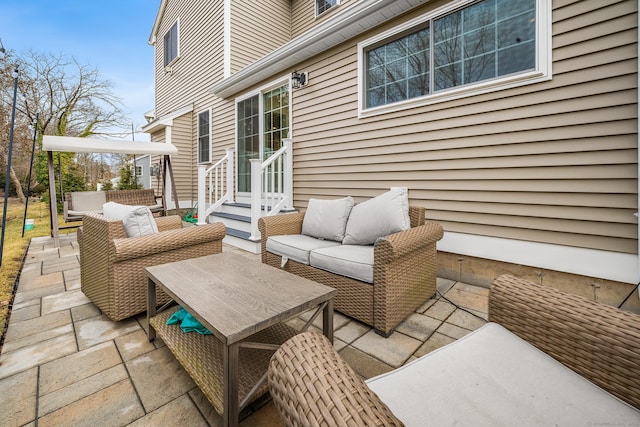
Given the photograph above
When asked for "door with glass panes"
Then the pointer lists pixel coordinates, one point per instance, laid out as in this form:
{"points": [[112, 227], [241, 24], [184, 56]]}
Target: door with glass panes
{"points": [[262, 123]]}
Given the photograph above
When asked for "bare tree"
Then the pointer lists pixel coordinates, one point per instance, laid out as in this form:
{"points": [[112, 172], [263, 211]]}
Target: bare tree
{"points": [[72, 99]]}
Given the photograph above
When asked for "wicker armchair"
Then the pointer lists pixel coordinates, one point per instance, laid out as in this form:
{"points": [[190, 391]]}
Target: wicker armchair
{"points": [[404, 271], [311, 384], [112, 265]]}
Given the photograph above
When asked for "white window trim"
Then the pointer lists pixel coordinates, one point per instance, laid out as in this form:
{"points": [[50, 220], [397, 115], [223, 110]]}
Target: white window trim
{"points": [[173, 61], [543, 71], [315, 8], [200, 161]]}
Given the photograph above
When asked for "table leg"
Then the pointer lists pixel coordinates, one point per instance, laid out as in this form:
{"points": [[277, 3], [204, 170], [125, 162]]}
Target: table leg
{"points": [[230, 384], [327, 320], [151, 307]]}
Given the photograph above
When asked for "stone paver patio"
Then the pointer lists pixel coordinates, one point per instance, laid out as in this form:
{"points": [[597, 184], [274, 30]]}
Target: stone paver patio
{"points": [[63, 363]]}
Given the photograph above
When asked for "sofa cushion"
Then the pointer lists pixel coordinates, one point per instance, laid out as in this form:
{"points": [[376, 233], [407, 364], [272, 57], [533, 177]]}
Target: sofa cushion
{"points": [[327, 219], [354, 261], [296, 246], [378, 217], [87, 201], [137, 220], [492, 377]]}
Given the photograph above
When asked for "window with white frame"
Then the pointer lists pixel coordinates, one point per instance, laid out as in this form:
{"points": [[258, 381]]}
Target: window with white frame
{"points": [[171, 44], [455, 50], [204, 137], [324, 5], [138, 170]]}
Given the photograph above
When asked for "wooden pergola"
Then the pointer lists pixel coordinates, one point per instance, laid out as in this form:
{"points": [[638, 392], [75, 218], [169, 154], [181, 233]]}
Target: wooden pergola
{"points": [[91, 145]]}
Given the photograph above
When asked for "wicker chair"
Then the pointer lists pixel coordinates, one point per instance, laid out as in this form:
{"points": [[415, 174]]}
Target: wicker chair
{"points": [[311, 384], [404, 272], [112, 265]]}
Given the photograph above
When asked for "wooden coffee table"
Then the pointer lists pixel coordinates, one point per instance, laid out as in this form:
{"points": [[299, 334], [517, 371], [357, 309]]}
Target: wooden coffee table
{"points": [[244, 304]]}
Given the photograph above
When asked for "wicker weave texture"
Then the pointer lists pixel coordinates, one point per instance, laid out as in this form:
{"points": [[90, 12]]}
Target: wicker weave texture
{"points": [[202, 357], [311, 385], [112, 265], [599, 342], [404, 271]]}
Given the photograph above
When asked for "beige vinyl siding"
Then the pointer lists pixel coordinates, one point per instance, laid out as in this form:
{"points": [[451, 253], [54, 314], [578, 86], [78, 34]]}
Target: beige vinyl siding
{"points": [[186, 177], [303, 14], [201, 61], [258, 27], [553, 162]]}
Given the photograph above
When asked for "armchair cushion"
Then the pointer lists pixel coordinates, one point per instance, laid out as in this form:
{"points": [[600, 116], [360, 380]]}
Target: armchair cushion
{"points": [[385, 214], [296, 246], [355, 261], [327, 219], [137, 220]]}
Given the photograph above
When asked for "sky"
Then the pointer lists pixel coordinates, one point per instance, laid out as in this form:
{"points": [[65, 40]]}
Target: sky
{"points": [[111, 36]]}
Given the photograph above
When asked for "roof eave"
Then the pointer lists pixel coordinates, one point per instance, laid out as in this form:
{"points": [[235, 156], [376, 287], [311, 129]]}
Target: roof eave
{"points": [[353, 21]]}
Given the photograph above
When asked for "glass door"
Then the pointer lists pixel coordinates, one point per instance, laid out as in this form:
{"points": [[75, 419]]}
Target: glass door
{"points": [[262, 123]]}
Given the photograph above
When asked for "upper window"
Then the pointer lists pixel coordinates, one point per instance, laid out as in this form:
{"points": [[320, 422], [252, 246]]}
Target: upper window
{"points": [[479, 44], [324, 5], [204, 137], [171, 44]]}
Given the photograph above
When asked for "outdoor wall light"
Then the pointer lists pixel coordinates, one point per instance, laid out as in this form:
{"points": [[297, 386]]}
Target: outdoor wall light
{"points": [[298, 80]]}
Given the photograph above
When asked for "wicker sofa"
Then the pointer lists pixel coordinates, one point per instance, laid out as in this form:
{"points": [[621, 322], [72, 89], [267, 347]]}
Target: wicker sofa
{"points": [[404, 270], [112, 264], [545, 358]]}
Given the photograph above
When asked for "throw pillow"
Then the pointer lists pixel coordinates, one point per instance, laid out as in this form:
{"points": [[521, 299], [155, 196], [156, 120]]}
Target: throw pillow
{"points": [[378, 217], [137, 220], [327, 219]]}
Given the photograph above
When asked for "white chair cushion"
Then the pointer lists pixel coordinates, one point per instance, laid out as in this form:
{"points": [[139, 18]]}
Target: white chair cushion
{"points": [[296, 246], [87, 201], [327, 219], [137, 220], [491, 377], [378, 217], [354, 261]]}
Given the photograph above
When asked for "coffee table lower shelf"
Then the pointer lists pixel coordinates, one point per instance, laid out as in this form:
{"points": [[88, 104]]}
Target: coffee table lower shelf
{"points": [[201, 357]]}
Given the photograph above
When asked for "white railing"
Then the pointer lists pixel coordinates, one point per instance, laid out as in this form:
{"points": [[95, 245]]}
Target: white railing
{"points": [[215, 186], [271, 185]]}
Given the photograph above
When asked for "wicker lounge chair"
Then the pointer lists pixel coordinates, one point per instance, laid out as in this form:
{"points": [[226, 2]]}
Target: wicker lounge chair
{"points": [[112, 264], [404, 275], [312, 385]]}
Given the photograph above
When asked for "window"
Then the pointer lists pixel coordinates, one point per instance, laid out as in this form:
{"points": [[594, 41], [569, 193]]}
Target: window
{"points": [[480, 44], [138, 170], [324, 5], [171, 44], [204, 137]]}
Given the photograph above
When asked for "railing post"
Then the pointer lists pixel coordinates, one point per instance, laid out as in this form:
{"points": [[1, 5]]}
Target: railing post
{"points": [[256, 195], [288, 174], [230, 176], [202, 176]]}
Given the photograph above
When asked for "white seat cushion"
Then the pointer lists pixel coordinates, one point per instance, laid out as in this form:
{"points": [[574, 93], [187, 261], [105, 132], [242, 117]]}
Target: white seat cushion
{"points": [[353, 261], [296, 246], [327, 219], [378, 217], [137, 220], [491, 377], [87, 201]]}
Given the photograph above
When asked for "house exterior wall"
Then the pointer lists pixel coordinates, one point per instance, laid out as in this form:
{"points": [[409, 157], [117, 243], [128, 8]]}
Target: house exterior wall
{"points": [[303, 14], [553, 162], [257, 28], [522, 171]]}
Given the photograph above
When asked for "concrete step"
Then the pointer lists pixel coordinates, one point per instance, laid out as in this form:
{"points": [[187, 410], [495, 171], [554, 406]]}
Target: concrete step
{"points": [[237, 219]]}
